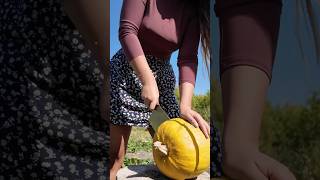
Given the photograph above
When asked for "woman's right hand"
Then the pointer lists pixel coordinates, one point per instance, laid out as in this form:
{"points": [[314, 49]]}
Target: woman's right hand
{"points": [[150, 94]]}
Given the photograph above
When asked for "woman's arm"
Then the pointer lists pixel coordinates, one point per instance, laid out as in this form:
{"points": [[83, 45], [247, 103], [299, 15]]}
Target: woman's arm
{"points": [[188, 63], [150, 92], [247, 40], [186, 112], [132, 13]]}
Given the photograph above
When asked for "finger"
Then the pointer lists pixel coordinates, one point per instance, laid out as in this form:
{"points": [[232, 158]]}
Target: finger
{"points": [[253, 172], [203, 127], [275, 169], [281, 173], [153, 105], [191, 119], [208, 128], [245, 167], [203, 124]]}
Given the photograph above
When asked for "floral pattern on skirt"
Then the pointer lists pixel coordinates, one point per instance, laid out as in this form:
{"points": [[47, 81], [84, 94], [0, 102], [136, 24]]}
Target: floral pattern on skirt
{"points": [[50, 124], [215, 152], [126, 105]]}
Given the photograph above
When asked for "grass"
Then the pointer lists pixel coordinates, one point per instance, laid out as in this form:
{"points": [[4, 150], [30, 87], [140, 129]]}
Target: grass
{"points": [[136, 161], [140, 140]]}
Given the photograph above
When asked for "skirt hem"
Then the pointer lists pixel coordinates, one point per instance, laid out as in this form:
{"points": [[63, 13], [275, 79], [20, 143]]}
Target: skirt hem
{"points": [[142, 125]]}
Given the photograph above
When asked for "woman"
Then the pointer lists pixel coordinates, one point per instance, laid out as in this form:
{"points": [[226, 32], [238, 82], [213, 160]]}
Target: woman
{"points": [[50, 125], [141, 75], [249, 32]]}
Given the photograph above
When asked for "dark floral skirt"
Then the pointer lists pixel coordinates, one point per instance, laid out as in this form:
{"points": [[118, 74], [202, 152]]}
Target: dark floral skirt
{"points": [[50, 124], [126, 105]]}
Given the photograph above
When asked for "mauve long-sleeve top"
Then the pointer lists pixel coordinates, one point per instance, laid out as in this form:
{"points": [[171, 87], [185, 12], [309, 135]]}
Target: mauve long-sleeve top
{"points": [[160, 27]]}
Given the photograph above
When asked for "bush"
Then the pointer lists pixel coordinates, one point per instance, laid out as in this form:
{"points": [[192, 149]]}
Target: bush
{"points": [[291, 135]]}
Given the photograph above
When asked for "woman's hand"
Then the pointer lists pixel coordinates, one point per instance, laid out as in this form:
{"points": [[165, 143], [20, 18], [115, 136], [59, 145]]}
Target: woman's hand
{"points": [[150, 94], [186, 93], [245, 163], [195, 119]]}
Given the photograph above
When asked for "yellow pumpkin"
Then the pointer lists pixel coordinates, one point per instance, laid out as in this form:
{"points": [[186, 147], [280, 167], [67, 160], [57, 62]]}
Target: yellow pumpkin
{"points": [[180, 150]]}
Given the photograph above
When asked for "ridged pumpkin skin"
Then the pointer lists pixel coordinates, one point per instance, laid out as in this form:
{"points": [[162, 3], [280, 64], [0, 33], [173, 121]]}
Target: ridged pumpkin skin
{"points": [[188, 149]]}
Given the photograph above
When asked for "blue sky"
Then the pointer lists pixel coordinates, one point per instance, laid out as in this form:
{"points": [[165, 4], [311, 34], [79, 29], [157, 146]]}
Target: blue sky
{"points": [[202, 82], [294, 79]]}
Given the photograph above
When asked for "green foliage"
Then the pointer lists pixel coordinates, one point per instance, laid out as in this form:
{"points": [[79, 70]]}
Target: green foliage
{"points": [[136, 161], [216, 106], [291, 135], [200, 103], [139, 140], [136, 145]]}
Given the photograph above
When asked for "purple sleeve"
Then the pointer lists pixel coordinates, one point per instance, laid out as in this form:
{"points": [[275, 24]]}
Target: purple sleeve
{"points": [[188, 53], [249, 33], [131, 16]]}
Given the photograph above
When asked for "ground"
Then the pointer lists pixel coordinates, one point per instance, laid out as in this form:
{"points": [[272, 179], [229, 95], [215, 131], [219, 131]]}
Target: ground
{"points": [[139, 148]]}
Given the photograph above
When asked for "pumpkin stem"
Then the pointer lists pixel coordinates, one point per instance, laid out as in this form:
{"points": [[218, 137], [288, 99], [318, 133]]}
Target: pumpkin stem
{"points": [[163, 148]]}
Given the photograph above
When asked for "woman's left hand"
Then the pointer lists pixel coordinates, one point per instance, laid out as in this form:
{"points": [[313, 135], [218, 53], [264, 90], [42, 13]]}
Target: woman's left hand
{"points": [[195, 119]]}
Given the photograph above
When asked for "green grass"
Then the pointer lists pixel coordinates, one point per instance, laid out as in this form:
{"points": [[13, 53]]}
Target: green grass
{"points": [[136, 161], [140, 140]]}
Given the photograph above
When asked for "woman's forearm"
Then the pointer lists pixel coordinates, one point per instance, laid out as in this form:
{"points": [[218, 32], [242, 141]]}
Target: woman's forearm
{"points": [[244, 91], [142, 69], [186, 93], [149, 92]]}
